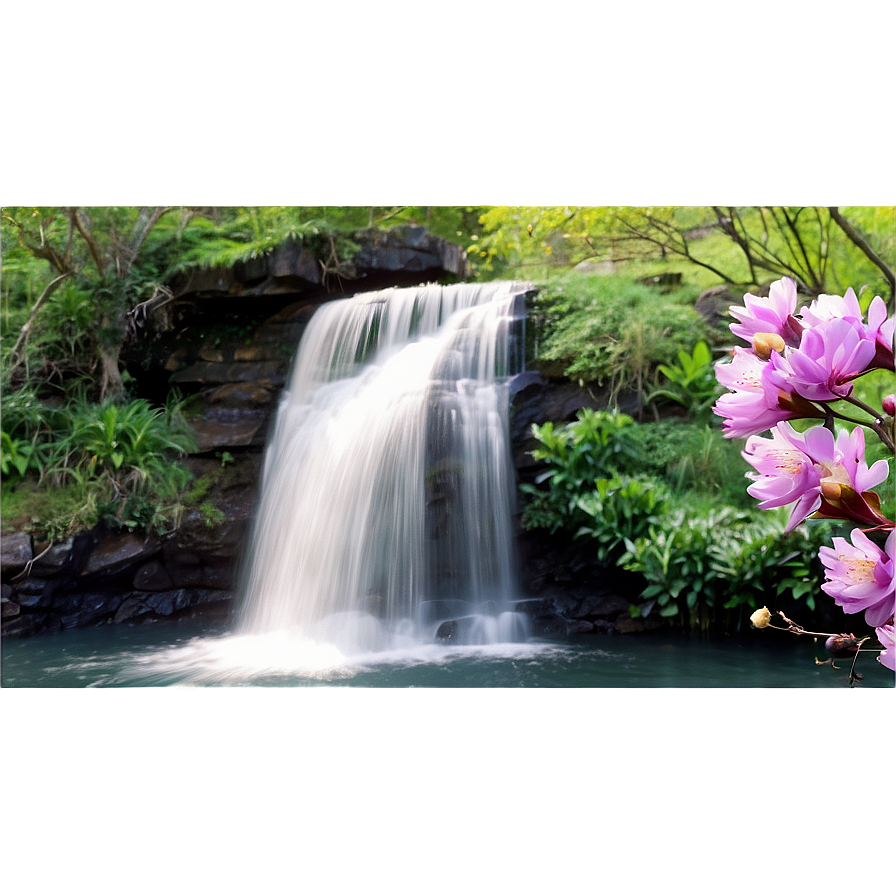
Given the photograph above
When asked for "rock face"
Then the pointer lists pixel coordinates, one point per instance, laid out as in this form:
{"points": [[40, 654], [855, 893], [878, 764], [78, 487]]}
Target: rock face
{"points": [[15, 552], [102, 580], [571, 593]]}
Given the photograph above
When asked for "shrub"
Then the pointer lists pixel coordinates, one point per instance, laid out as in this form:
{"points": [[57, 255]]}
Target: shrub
{"points": [[612, 331], [596, 445], [698, 565], [119, 460], [619, 509], [694, 458], [691, 383], [18, 456]]}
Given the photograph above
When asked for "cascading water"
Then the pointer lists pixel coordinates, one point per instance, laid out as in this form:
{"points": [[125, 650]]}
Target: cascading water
{"points": [[388, 492]]}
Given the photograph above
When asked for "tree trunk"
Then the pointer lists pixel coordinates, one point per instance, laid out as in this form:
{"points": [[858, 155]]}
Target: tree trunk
{"points": [[111, 384]]}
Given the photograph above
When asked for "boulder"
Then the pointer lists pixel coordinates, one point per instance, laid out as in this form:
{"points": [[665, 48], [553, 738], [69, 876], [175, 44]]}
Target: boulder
{"points": [[447, 631], [33, 593], [411, 250], [91, 609], [627, 625], [115, 552], [237, 430], [52, 559], [15, 552], [165, 603], [257, 393], [606, 605], [536, 398], [152, 576], [24, 624], [130, 609]]}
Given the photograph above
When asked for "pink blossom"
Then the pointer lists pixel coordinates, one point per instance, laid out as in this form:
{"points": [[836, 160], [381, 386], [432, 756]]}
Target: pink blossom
{"points": [[829, 357], [859, 576], [760, 398], [767, 314], [825, 308], [821, 474], [881, 329], [885, 636]]}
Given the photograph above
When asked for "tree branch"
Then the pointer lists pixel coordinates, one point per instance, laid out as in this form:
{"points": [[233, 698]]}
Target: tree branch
{"points": [[75, 214], [857, 239], [17, 355], [157, 214]]}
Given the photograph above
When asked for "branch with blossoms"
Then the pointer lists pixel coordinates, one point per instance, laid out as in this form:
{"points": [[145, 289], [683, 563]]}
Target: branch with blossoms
{"points": [[799, 363]]}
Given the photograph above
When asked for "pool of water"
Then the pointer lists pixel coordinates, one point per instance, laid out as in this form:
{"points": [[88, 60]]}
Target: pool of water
{"points": [[196, 653]]}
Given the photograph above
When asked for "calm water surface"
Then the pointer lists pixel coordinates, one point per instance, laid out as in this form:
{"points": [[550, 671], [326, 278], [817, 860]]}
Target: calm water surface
{"points": [[194, 653]]}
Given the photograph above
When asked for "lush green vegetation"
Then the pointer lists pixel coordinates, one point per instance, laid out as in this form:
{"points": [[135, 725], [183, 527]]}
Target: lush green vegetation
{"points": [[612, 331], [667, 500], [96, 462]]}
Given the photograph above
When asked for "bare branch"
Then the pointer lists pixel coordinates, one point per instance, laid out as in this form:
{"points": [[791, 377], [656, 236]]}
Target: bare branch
{"points": [[18, 354], [75, 214], [157, 214], [669, 243], [856, 238]]}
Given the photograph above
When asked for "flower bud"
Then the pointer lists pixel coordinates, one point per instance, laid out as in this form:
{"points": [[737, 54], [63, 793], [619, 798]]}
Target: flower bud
{"points": [[889, 405], [766, 343], [839, 646], [761, 618]]}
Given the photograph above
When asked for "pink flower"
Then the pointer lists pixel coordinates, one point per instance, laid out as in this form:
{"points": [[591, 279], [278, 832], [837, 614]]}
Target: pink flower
{"points": [[825, 308], [829, 357], [821, 474], [785, 470], [885, 636], [761, 396], [768, 314], [881, 329], [859, 576]]}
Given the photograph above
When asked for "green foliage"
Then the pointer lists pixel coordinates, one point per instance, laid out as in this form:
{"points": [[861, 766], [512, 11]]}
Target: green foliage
{"points": [[670, 493], [691, 383], [594, 446], [619, 509], [18, 456], [51, 514], [694, 459], [612, 331], [211, 515], [25, 414], [240, 234], [114, 463], [132, 441], [698, 565]]}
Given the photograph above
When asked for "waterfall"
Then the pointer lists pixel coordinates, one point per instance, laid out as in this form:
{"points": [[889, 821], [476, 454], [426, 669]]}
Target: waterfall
{"points": [[387, 488]]}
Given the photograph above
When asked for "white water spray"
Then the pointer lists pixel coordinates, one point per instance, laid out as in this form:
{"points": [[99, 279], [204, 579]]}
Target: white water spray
{"points": [[388, 492]]}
